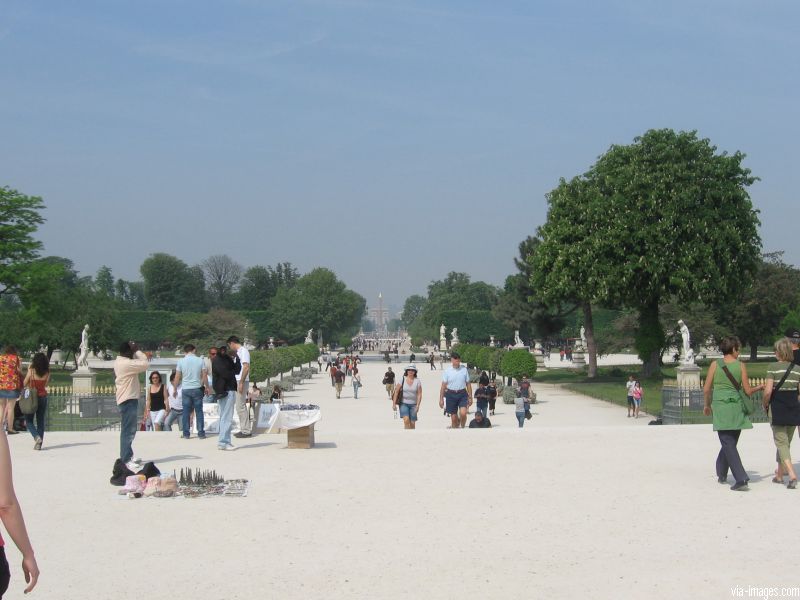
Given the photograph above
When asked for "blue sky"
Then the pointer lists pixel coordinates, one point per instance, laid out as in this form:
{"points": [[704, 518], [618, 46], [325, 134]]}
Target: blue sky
{"points": [[390, 141]]}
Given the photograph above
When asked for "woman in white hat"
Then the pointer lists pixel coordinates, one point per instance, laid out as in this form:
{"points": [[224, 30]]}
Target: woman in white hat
{"points": [[408, 397]]}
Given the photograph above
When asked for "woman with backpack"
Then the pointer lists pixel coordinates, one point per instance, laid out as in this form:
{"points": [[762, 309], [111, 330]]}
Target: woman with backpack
{"points": [[782, 405]]}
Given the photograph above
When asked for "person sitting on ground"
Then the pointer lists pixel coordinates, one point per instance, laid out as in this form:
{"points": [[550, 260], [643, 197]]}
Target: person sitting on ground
{"points": [[277, 394], [479, 422]]}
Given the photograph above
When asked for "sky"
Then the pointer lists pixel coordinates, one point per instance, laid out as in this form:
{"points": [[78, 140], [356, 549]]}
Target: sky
{"points": [[391, 141]]}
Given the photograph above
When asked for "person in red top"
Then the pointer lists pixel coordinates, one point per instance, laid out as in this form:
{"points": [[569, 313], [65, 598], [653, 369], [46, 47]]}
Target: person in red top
{"points": [[38, 376], [10, 380], [11, 515]]}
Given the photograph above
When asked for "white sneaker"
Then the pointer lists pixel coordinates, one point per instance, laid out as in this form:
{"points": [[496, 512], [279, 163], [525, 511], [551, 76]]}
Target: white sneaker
{"points": [[227, 447], [134, 466]]}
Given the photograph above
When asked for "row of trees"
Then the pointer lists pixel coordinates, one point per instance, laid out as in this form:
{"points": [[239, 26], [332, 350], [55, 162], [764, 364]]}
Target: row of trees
{"points": [[266, 364], [44, 301], [515, 363]]}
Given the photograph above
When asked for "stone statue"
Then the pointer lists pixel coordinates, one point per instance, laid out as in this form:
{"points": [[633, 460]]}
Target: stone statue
{"points": [[309, 340], [442, 331], [454, 336], [491, 342], [83, 362], [584, 345], [518, 343], [688, 353], [271, 342]]}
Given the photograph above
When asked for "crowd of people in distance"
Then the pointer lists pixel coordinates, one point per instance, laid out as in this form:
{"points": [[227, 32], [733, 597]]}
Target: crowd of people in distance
{"points": [[455, 396]]}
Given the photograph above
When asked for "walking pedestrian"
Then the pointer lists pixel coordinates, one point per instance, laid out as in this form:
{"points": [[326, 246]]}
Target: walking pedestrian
{"points": [[407, 397], [14, 523], [456, 390], [10, 385], [492, 389], [243, 387], [129, 363], [388, 382], [339, 382], [155, 406], [725, 380], [174, 404], [432, 361], [782, 405], [637, 398], [37, 377], [191, 375], [482, 397], [629, 386], [520, 408], [356, 381]]}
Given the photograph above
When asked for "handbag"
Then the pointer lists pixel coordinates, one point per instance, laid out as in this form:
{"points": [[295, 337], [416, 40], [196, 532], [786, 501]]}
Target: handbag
{"points": [[29, 402], [744, 400]]}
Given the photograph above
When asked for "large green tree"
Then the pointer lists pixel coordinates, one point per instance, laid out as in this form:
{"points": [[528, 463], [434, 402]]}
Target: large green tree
{"points": [[171, 285], [19, 219], [757, 316], [412, 308], [666, 217], [318, 300], [259, 285], [222, 275]]}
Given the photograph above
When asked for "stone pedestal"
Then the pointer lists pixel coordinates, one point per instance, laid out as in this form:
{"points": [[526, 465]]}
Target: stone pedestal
{"points": [[578, 359], [689, 377], [83, 381], [442, 345]]}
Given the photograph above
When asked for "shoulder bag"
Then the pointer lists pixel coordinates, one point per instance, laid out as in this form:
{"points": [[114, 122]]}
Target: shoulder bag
{"points": [[744, 400], [29, 402]]}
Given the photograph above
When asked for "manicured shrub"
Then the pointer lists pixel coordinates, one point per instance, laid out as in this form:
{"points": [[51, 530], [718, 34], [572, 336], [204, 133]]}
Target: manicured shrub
{"points": [[519, 362]]}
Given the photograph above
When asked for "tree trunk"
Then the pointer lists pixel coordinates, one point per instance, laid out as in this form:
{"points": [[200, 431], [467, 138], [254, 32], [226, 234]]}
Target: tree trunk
{"points": [[753, 352], [590, 342], [650, 339]]}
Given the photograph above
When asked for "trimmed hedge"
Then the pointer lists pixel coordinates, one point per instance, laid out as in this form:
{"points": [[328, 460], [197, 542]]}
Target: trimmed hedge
{"points": [[516, 363], [266, 364]]}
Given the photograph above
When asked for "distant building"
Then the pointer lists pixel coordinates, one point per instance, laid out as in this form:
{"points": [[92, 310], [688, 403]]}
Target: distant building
{"points": [[379, 316]]}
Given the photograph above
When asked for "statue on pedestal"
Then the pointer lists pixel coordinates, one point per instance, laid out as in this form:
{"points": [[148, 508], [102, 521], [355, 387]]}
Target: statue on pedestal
{"points": [[443, 338], [83, 362], [518, 343], [454, 336], [491, 342], [309, 340], [584, 344], [271, 343], [688, 353]]}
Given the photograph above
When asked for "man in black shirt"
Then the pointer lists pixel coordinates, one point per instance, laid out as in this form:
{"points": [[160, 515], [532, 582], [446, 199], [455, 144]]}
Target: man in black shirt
{"points": [[388, 381], [794, 336]]}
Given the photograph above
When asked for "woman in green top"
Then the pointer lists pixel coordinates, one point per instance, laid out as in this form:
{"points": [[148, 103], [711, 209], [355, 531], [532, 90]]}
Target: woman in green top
{"points": [[783, 408], [726, 407]]}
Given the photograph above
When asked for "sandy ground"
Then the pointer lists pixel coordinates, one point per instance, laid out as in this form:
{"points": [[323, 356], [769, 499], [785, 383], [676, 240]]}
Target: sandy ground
{"points": [[582, 502]]}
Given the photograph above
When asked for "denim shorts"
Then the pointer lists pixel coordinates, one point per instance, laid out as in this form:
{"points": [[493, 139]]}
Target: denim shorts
{"points": [[455, 400], [408, 410], [9, 394]]}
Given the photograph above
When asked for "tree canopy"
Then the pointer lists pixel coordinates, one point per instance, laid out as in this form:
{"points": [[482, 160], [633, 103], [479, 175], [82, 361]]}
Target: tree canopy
{"points": [[19, 219]]}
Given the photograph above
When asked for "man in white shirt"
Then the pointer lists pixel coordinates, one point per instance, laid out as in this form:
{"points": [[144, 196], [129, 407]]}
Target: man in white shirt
{"points": [[629, 385], [243, 387], [456, 390]]}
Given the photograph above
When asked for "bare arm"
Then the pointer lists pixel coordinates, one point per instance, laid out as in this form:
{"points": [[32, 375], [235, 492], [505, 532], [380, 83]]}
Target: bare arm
{"points": [[28, 375], [419, 396], [442, 390], [767, 393], [11, 515], [708, 388], [469, 393], [746, 383]]}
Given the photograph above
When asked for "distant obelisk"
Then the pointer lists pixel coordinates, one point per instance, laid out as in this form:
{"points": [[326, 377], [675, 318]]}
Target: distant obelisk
{"points": [[381, 324]]}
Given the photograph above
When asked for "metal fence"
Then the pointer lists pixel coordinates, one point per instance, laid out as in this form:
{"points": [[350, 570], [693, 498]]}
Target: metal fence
{"points": [[84, 412], [685, 406]]}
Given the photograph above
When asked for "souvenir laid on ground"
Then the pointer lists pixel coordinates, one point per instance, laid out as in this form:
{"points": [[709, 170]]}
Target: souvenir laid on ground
{"points": [[294, 416], [187, 484]]}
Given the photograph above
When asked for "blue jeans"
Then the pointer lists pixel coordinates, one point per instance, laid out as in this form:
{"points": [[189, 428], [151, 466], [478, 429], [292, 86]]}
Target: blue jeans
{"points": [[193, 400], [37, 431], [226, 404], [355, 391], [483, 406], [173, 416], [127, 429], [520, 418]]}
